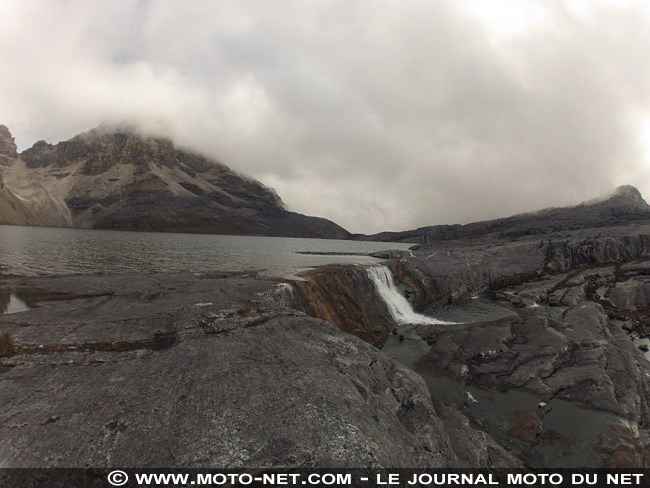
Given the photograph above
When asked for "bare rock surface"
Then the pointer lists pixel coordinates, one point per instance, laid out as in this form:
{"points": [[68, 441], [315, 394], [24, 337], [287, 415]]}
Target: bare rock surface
{"points": [[8, 151], [566, 347], [12, 208], [560, 381], [631, 294], [209, 370], [344, 296], [446, 271]]}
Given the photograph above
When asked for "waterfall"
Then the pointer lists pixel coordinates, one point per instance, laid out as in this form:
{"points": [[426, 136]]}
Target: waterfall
{"points": [[397, 304]]}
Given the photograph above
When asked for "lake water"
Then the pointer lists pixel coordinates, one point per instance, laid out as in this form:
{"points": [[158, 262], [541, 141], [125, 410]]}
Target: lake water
{"points": [[48, 250]]}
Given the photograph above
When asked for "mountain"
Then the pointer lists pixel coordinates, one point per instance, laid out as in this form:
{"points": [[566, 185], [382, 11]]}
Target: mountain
{"points": [[111, 177], [624, 205], [12, 208]]}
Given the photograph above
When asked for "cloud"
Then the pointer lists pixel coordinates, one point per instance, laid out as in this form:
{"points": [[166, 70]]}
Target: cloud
{"points": [[377, 114]]}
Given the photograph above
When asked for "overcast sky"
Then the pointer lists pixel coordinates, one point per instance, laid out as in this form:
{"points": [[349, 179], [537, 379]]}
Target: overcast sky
{"points": [[378, 114]]}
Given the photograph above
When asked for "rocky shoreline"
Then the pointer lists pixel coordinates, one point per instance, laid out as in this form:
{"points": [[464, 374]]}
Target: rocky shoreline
{"points": [[542, 361], [209, 370], [237, 370]]}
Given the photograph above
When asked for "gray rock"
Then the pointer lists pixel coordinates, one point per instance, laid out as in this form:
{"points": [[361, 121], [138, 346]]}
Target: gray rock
{"points": [[631, 294], [186, 370], [8, 150], [447, 271], [291, 391]]}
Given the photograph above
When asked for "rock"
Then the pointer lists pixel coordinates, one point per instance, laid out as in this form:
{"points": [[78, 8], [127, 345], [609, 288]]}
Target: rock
{"points": [[473, 447], [12, 209], [577, 355], [631, 294], [344, 296], [444, 271], [568, 356], [8, 150], [288, 392], [576, 280], [269, 387]]}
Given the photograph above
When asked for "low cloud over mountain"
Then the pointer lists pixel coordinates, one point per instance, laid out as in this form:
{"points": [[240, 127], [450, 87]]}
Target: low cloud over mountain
{"points": [[378, 114]]}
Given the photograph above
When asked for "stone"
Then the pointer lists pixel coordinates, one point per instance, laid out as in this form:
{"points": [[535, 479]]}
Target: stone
{"points": [[8, 150], [90, 384]]}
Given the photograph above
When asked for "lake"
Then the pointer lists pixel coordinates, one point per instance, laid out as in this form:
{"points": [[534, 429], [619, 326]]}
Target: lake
{"points": [[50, 250]]}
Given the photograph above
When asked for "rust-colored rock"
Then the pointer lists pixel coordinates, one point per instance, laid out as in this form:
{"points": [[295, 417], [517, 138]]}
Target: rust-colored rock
{"points": [[346, 297]]}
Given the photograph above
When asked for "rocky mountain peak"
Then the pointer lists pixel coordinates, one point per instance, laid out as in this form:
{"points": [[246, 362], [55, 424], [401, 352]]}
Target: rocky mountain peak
{"points": [[116, 177], [8, 150], [629, 195]]}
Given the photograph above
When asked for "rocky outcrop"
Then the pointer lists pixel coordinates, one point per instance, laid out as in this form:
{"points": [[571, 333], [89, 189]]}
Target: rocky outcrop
{"points": [[633, 295], [569, 353], [8, 151], [344, 296], [439, 273], [624, 205], [208, 370], [558, 379], [12, 209], [183, 369], [115, 178], [605, 247]]}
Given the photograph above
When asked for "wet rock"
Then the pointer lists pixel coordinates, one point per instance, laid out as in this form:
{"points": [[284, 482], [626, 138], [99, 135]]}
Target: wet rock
{"points": [[344, 296], [444, 271], [580, 356], [526, 425], [474, 447], [538, 291]]}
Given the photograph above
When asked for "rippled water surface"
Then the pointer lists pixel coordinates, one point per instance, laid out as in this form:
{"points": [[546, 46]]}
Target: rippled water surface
{"points": [[46, 250]]}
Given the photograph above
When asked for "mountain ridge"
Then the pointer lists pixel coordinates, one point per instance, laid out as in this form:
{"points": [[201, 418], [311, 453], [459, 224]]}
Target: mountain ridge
{"points": [[111, 177], [624, 205]]}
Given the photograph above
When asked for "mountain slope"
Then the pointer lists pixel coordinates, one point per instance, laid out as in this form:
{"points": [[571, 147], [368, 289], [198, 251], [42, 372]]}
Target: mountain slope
{"points": [[12, 208], [625, 205], [114, 178]]}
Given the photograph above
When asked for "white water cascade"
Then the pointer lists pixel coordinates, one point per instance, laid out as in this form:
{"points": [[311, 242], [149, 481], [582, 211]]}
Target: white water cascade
{"points": [[397, 304]]}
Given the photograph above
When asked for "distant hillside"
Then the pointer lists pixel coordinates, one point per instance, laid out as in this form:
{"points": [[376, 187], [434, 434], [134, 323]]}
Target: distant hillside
{"points": [[625, 205], [114, 178]]}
